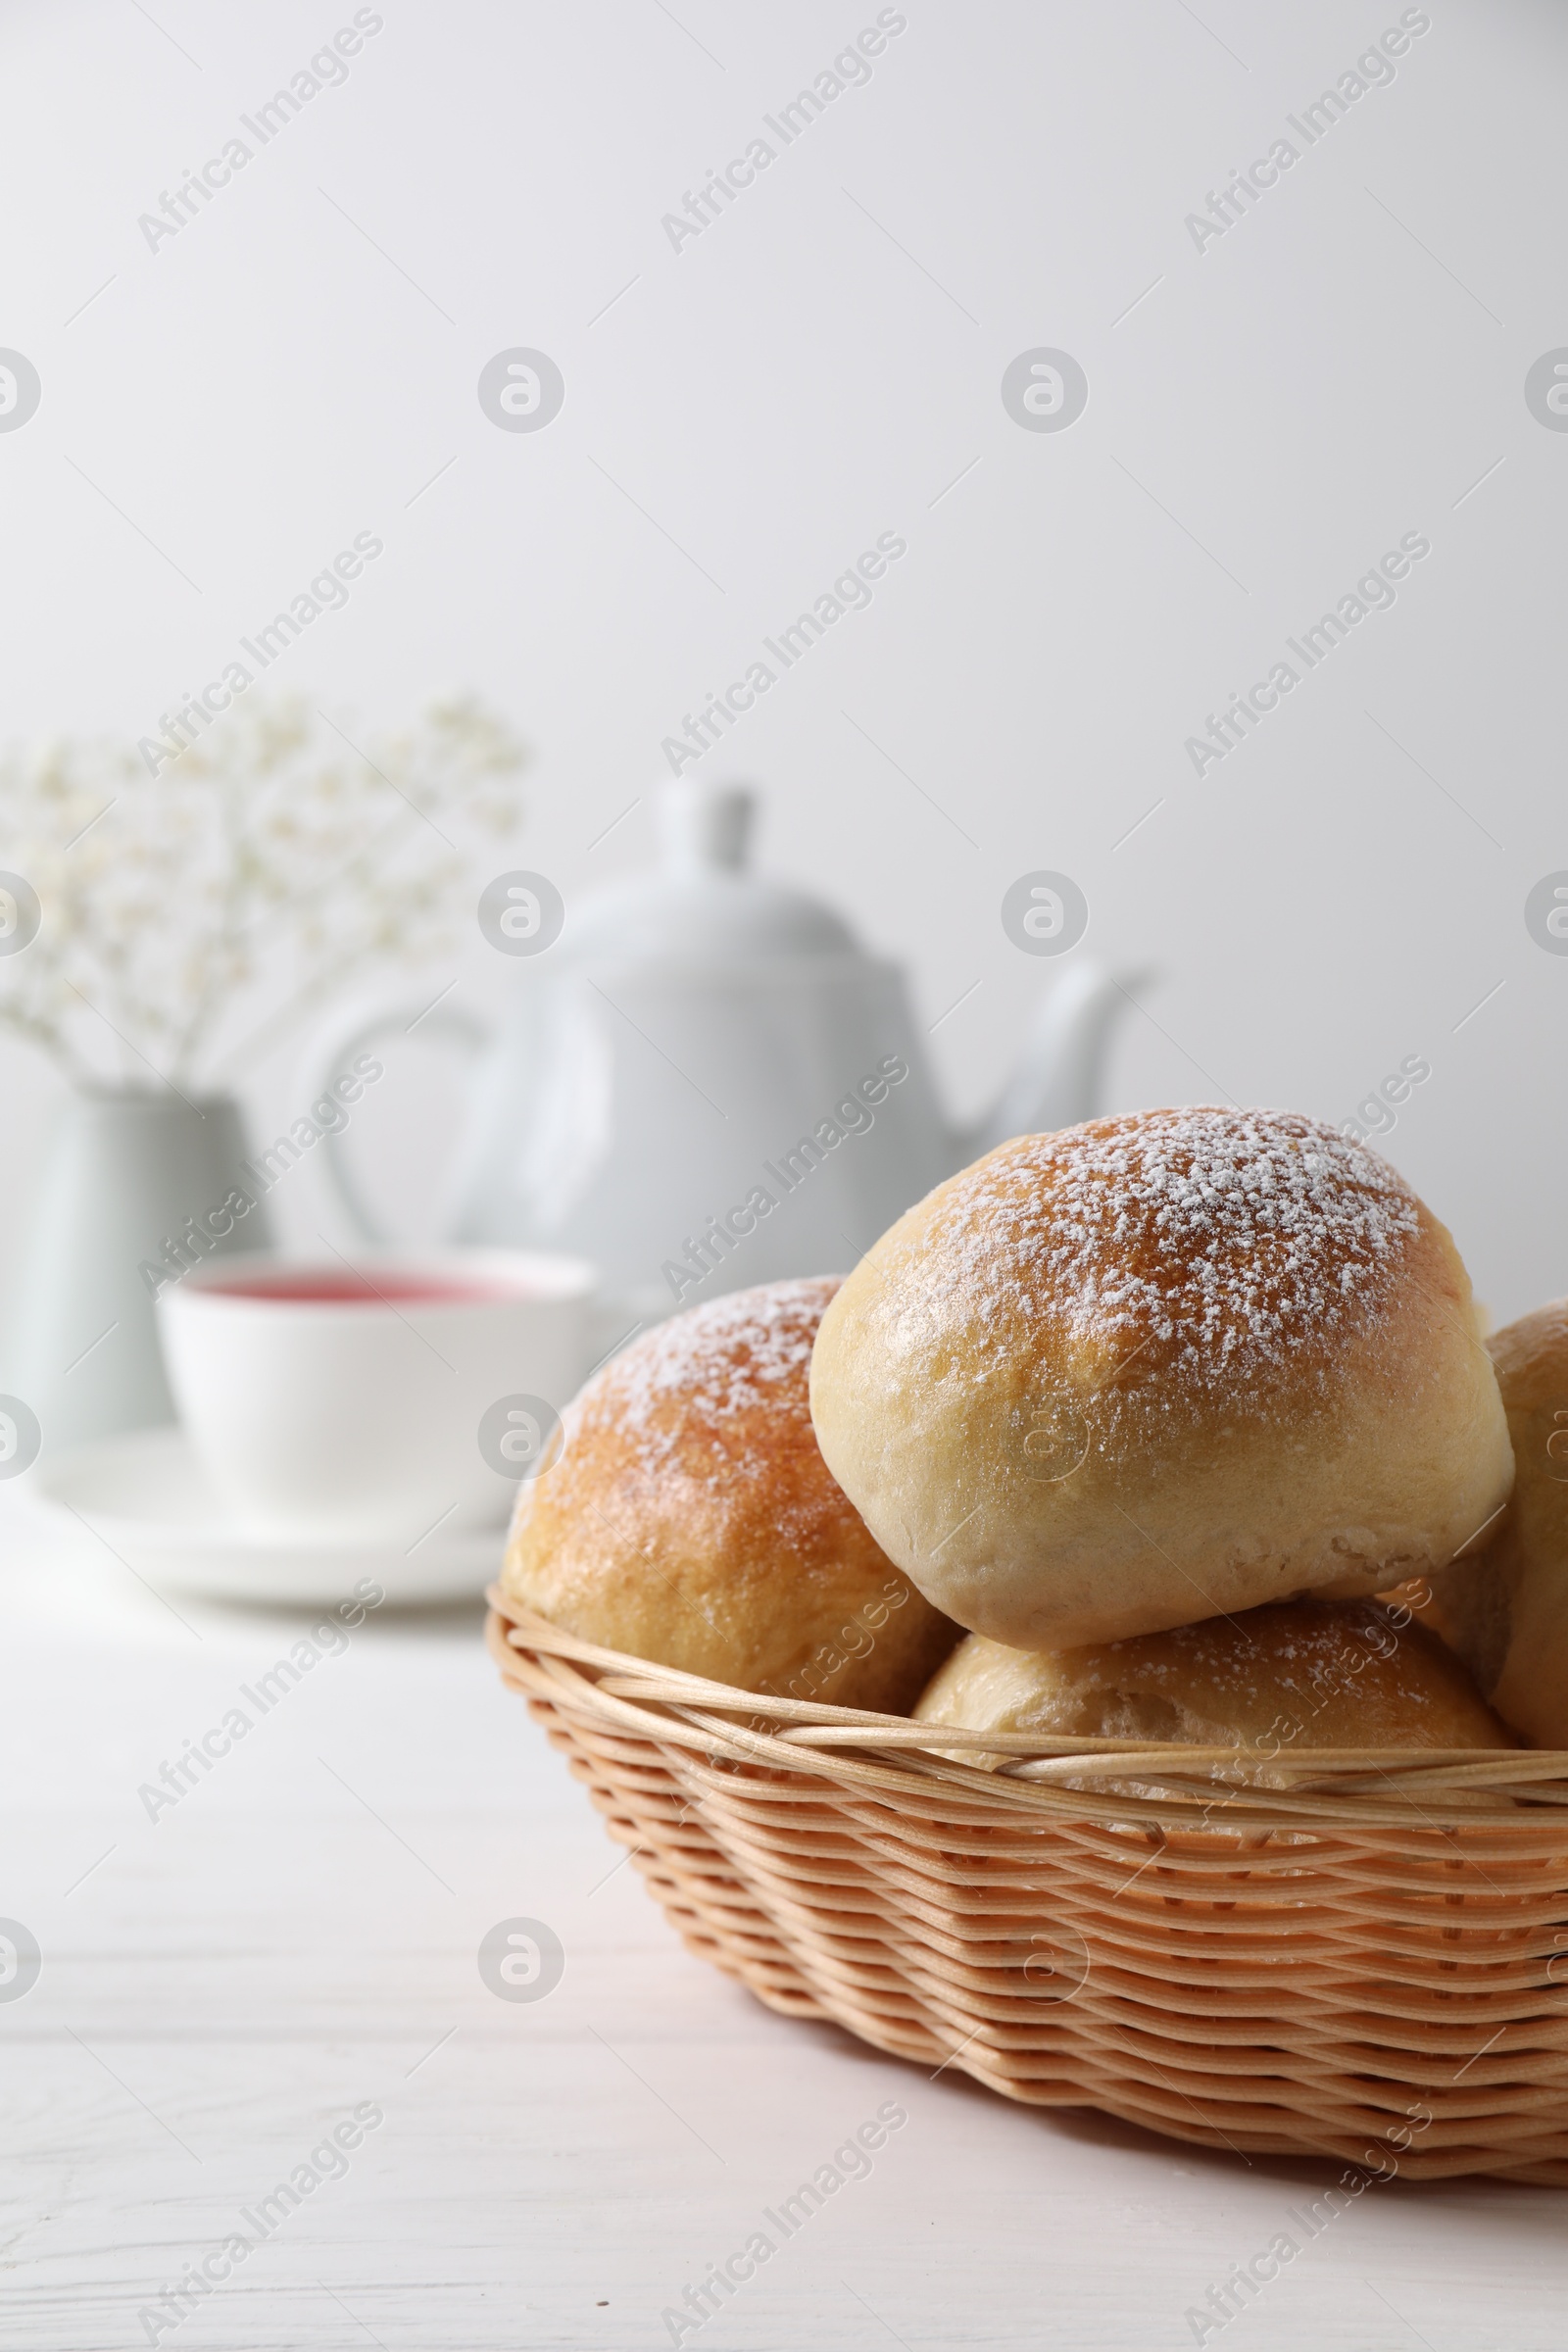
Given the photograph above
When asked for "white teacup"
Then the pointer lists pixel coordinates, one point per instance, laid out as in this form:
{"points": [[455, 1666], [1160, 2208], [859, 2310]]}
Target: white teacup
{"points": [[379, 1400]]}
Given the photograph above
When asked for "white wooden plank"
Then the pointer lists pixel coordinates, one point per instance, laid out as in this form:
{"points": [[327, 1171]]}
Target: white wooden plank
{"points": [[234, 1977]]}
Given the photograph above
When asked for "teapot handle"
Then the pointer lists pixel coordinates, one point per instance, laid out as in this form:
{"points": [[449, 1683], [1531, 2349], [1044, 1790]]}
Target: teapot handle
{"points": [[337, 1049]]}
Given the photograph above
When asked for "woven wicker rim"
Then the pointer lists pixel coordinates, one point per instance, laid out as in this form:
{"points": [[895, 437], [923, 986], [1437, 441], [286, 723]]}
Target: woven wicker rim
{"points": [[1351, 1953], [1167, 1785]]}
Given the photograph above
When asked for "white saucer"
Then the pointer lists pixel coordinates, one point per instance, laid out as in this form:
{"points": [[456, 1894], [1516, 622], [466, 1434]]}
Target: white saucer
{"points": [[147, 1498]]}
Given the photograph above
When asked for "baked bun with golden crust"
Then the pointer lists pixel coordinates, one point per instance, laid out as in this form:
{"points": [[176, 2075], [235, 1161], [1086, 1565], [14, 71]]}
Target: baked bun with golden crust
{"points": [[692, 1519], [1157, 1368], [1293, 1675], [1506, 1613]]}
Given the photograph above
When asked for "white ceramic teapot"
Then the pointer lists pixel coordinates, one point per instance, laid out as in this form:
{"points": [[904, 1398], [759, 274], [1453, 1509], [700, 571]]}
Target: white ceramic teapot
{"points": [[705, 1082]]}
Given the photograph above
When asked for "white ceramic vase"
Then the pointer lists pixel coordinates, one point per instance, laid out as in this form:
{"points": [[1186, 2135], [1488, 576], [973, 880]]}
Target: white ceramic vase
{"points": [[131, 1183]]}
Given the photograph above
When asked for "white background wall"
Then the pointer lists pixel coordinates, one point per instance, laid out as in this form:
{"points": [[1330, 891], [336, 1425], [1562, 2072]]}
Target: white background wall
{"points": [[1338, 369]]}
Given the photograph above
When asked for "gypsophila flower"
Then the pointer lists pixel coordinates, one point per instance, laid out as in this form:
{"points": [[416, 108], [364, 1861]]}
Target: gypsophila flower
{"points": [[267, 865]]}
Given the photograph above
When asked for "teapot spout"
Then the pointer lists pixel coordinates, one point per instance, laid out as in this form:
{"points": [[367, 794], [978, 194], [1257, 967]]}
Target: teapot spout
{"points": [[1058, 1081]]}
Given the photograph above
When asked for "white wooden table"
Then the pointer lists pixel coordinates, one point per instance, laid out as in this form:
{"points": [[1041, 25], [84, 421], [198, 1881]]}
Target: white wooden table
{"points": [[296, 1940]]}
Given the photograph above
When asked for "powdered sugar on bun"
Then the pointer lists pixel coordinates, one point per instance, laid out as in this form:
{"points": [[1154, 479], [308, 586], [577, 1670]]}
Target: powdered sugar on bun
{"points": [[1153, 1368], [692, 1518], [1272, 1682], [690, 1386], [1197, 1253]]}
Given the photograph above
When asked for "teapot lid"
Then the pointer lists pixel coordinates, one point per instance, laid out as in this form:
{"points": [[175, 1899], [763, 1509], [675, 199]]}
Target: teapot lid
{"points": [[700, 904]]}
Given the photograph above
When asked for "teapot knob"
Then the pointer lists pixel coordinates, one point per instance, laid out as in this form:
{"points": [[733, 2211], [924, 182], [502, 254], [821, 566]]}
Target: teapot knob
{"points": [[704, 827]]}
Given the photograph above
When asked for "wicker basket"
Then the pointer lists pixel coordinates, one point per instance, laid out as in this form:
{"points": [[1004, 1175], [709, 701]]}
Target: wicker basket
{"points": [[1360, 1960]]}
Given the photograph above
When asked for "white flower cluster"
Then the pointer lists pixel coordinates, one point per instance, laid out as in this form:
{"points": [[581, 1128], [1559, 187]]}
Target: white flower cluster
{"points": [[192, 917]]}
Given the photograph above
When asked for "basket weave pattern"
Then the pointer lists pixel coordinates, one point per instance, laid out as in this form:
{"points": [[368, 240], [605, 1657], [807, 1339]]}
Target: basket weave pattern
{"points": [[1352, 1954]]}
